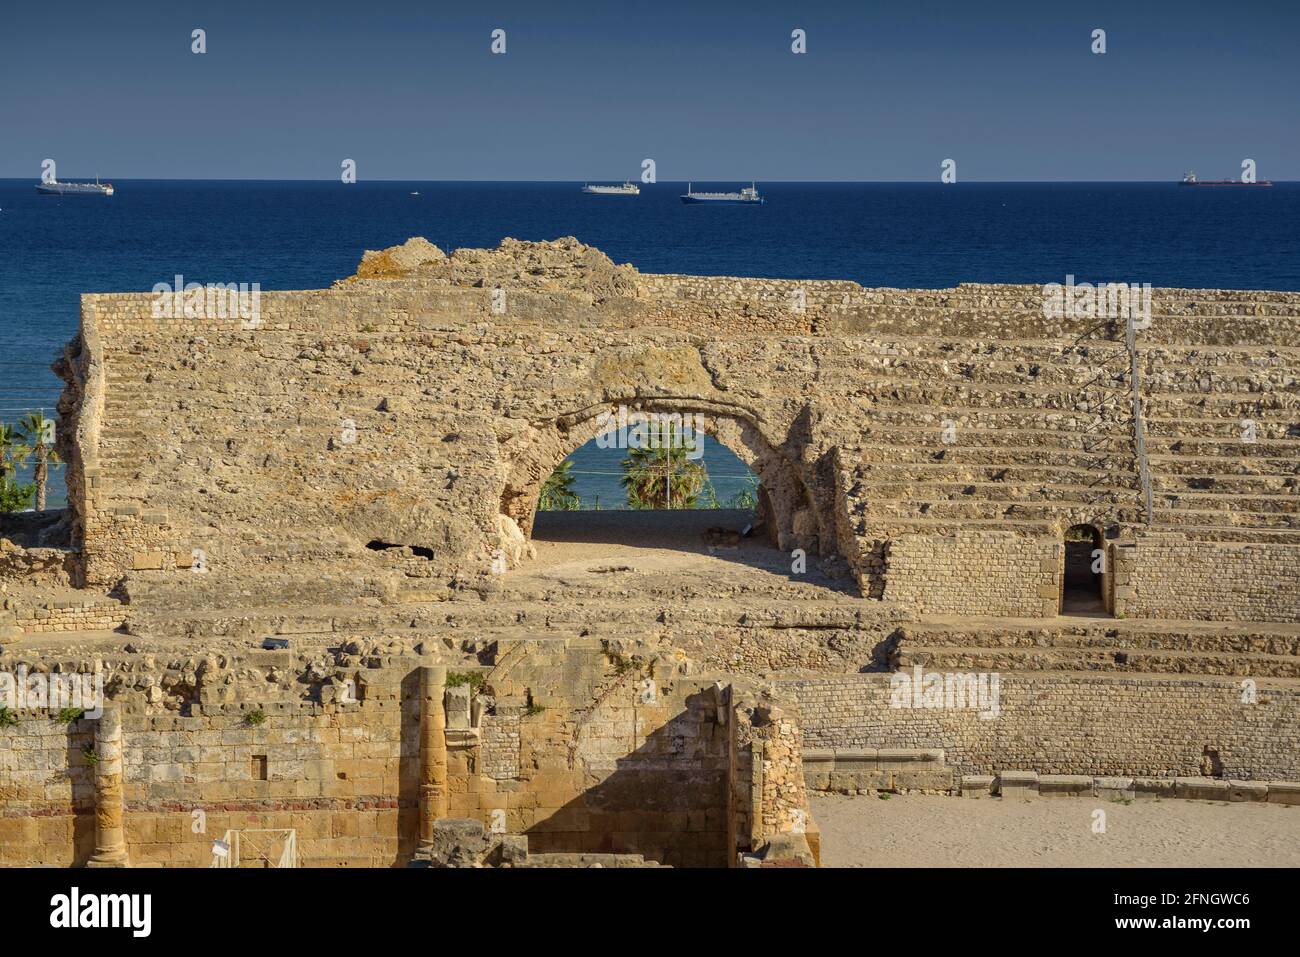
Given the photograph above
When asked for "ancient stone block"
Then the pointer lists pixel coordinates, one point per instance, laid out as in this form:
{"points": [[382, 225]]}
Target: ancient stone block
{"points": [[1064, 785], [1201, 789], [1017, 784]]}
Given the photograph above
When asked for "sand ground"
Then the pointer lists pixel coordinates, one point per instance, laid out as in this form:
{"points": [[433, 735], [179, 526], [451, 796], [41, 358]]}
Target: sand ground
{"points": [[916, 830]]}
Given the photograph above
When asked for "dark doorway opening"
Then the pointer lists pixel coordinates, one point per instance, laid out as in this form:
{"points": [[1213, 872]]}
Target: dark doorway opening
{"points": [[1081, 589]]}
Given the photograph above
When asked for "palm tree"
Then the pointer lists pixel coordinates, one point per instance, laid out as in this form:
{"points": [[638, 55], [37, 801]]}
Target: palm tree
{"points": [[13, 496], [37, 434], [557, 491], [747, 497], [11, 450], [662, 476]]}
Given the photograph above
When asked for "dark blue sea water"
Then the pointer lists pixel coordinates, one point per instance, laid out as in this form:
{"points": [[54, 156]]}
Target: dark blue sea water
{"points": [[297, 235]]}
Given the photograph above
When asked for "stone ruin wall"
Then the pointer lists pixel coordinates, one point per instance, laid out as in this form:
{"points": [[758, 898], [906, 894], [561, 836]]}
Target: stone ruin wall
{"points": [[186, 434], [197, 434], [619, 751], [1073, 724]]}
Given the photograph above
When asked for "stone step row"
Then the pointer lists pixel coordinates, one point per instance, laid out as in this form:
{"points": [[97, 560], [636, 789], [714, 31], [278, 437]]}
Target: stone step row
{"points": [[1259, 429], [1220, 466], [1009, 513], [1030, 784], [1227, 448], [1227, 516], [1227, 484], [929, 441], [1002, 455], [988, 660], [927, 491], [1109, 637], [168, 614], [956, 473], [1169, 521], [1256, 508], [891, 415], [1259, 506], [1008, 475]]}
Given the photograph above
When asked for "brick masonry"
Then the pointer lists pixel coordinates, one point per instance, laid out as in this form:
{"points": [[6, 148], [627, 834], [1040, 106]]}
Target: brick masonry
{"points": [[1062, 724]]}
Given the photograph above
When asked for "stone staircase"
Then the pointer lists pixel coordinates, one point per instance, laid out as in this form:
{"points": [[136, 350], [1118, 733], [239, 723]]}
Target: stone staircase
{"points": [[1033, 435], [1226, 465]]}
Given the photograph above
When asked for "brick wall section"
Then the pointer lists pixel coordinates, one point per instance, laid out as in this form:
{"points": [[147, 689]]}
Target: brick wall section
{"points": [[88, 614], [1063, 724], [499, 745], [1176, 578], [983, 573]]}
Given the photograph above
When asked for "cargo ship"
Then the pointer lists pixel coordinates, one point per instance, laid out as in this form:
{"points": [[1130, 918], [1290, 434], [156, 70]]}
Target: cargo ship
{"points": [[747, 196], [627, 189], [75, 189], [1189, 179]]}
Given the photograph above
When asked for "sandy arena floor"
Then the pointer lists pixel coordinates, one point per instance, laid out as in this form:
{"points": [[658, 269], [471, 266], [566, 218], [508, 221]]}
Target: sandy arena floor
{"points": [[936, 831]]}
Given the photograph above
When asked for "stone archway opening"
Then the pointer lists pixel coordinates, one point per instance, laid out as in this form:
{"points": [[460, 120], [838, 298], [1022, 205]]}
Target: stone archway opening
{"points": [[735, 499], [688, 491]]}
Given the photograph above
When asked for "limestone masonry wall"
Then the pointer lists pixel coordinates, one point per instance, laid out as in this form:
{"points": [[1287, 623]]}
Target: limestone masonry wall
{"points": [[1177, 578], [983, 573], [335, 774], [608, 750], [1073, 724], [422, 403]]}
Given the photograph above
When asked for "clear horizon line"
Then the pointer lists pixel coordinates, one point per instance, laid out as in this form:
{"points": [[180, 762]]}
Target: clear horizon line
{"points": [[863, 182]]}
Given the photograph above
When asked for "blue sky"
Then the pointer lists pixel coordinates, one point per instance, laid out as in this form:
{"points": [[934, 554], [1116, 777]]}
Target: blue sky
{"points": [[886, 92]]}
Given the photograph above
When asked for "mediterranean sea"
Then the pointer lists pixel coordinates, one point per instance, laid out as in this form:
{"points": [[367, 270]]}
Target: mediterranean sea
{"points": [[304, 235]]}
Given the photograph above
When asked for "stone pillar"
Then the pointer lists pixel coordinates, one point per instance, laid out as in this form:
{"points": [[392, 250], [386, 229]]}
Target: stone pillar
{"points": [[110, 809], [433, 751]]}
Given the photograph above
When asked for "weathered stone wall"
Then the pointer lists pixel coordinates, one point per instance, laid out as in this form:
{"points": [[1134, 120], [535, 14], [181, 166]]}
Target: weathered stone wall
{"points": [[423, 404], [1073, 724], [983, 573], [1174, 577], [768, 793], [334, 773], [579, 747], [91, 613], [614, 755]]}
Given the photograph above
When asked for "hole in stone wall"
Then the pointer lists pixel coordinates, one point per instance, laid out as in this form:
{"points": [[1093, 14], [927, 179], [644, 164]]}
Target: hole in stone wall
{"points": [[259, 767], [695, 473], [1211, 763], [419, 550]]}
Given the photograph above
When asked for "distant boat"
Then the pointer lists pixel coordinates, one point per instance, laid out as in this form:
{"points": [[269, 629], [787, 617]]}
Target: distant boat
{"points": [[747, 196], [627, 189], [76, 189], [1189, 179]]}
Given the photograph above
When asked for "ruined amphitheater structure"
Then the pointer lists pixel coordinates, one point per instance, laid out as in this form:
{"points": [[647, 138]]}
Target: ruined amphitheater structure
{"points": [[1104, 517]]}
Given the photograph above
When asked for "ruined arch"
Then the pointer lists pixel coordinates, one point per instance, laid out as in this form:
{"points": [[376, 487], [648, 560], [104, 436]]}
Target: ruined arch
{"points": [[532, 457]]}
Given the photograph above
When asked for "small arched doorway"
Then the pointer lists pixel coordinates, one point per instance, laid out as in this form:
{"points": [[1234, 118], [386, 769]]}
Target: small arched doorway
{"points": [[1083, 580]]}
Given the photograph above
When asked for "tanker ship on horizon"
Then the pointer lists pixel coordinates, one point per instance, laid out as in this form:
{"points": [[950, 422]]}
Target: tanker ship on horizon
{"points": [[1189, 179], [61, 189]]}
